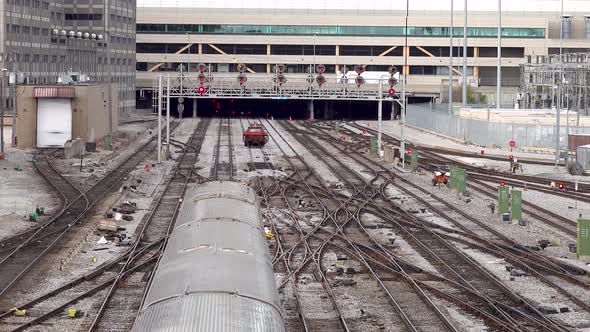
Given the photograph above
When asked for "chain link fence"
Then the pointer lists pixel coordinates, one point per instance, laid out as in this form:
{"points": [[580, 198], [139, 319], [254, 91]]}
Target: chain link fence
{"points": [[435, 117]]}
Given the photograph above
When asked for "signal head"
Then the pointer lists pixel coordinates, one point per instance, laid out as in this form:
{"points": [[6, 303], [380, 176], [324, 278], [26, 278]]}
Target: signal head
{"points": [[561, 186], [391, 91], [201, 89], [502, 184]]}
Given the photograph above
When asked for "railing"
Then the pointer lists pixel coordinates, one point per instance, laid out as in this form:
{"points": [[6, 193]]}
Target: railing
{"points": [[256, 87]]}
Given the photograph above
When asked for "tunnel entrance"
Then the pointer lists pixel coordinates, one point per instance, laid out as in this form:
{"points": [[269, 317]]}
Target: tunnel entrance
{"points": [[283, 109]]}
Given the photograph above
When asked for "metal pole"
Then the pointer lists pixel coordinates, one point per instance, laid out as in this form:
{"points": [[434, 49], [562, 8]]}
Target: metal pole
{"points": [[3, 103], [167, 112], [499, 55], [12, 91], [451, 62], [404, 82], [567, 112], [159, 118], [81, 157], [107, 37], [559, 83], [380, 116], [464, 97]]}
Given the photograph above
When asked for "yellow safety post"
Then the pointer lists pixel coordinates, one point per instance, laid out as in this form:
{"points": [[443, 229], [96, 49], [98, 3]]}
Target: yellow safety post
{"points": [[72, 313]]}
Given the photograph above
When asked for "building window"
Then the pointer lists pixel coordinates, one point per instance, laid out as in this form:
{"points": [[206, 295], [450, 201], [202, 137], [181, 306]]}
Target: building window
{"points": [[334, 30]]}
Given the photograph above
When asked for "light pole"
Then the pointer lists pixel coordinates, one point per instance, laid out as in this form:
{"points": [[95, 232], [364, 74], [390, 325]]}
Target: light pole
{"points": [[380, 116], [404, 82], [499, 56], [559, 85], [2, 111], [160, 118], [451, 62], [464, 97]]}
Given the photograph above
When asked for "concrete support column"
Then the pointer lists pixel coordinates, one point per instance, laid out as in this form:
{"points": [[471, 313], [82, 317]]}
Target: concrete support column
{"points": [[200, 49], [475, 68], [268, 56], [337, 55], [311, 111], [392, 116], [406, 54], [194, 108]]}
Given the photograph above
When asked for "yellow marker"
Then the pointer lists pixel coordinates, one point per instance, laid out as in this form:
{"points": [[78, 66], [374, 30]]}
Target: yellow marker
{"points": [[72, 313], [18, 312], [93, 259]]}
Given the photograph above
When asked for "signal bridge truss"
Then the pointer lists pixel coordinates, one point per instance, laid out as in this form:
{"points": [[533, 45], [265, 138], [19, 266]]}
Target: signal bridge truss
{"points": [[176, 85]]}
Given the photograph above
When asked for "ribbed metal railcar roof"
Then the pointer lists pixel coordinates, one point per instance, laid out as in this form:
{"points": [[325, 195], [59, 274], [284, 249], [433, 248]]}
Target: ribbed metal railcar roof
{"points": [[221, 189], [217, 255], [215, 274], [210, 313]]}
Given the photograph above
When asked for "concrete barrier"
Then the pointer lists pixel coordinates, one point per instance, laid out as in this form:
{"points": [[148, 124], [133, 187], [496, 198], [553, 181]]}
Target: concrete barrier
{"points": [[73, 147]]}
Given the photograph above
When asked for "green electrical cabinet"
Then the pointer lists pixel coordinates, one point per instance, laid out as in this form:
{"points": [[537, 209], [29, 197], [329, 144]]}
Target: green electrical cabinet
{"points": [[374, 145], [454, 177], [461, 180], [583, 246], [516, 205], [503, 200], [414, 160]]}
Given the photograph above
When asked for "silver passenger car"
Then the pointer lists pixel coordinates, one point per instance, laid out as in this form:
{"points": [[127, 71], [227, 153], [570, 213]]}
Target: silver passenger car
{"points": [[216, 272]]}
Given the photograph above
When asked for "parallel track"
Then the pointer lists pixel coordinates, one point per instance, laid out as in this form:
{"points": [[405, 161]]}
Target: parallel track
{"points": [[116, 311], [15, 264]]}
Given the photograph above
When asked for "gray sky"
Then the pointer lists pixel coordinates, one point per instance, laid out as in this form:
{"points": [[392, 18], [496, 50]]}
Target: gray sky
{"points": [[571, 6]]}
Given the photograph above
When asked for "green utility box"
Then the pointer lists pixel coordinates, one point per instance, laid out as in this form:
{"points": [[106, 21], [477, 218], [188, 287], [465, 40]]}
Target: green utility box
{"points": [[516, 205], [461, 180], [503, 200], [414, 160], [337, 127], [374, 145], [454, 177], [458, 179], [583, 247]]}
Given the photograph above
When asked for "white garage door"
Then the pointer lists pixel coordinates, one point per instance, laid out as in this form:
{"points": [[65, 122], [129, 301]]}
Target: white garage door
{"points": [[54, 122]]}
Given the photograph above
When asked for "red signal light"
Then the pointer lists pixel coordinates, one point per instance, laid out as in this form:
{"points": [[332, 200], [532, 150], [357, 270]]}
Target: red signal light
{"points": [[409, 152], [510, 157], [391, 91], [201, 89], [502, 184], [561, 186]]}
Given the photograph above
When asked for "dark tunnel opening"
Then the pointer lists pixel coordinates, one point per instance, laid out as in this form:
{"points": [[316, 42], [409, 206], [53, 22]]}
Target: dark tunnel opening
{"points": [[283, 109]]}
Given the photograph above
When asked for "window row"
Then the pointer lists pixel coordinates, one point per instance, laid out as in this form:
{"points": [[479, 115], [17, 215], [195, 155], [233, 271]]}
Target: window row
{"points": [[29, 3], [18, 29], [481, 32], [325, 50], [83, 17], [293, 68]]}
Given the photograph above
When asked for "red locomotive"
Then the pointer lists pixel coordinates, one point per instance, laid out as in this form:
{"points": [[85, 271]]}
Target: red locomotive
{"points": [[255, 135]]}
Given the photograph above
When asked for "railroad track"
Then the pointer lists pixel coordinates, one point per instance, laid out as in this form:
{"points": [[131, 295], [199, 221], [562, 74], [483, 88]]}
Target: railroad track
{"points": [[121, 298], [16, 263], [66, 189], [417, 312], [542, 267], [121, 303], [223, 168], [478, 183], [518, 180], [466, 271]]}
